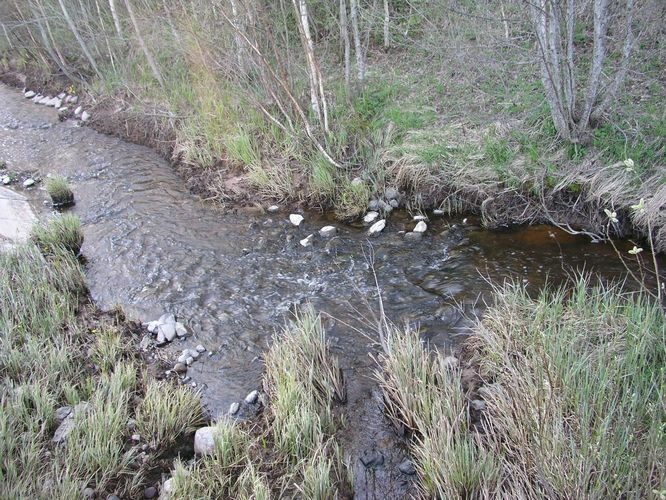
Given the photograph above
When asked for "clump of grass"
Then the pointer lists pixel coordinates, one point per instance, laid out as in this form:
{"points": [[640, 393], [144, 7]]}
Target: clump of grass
{"points": [[423, 394], [168, 412], [62, 232], [108, 348], [59, 191], [352, 200], [576, 386]]}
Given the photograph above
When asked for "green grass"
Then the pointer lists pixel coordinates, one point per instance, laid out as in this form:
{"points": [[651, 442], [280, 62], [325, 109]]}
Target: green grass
{"points": [[59, 191], [60, 232]]}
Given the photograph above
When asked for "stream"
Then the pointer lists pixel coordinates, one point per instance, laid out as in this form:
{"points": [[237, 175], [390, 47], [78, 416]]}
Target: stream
{"points": [[235, 276]]}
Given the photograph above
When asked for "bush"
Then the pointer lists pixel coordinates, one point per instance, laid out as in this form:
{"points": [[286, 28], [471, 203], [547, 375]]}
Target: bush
{"points": [[60, 192]]}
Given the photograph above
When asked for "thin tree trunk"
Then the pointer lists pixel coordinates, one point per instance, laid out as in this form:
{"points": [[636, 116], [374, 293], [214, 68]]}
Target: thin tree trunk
{"points": [[82, 44], [4, 30], [598, 56], [344, 34], [54, 54], [142, 43], [387, 21], [116, 20], [360, 64], [504, 21]]}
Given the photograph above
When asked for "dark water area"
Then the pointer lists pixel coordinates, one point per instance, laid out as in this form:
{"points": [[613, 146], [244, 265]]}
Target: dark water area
{"points": [[234, 277]]}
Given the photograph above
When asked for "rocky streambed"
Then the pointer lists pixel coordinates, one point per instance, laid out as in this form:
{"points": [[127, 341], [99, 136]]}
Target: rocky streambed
{"points": [[226, 280]]}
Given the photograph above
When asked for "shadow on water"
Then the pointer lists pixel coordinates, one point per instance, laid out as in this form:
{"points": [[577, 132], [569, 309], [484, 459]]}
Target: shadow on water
{"points": [[154, 248]]}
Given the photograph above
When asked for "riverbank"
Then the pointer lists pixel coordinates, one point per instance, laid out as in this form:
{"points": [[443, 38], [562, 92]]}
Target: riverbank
{"points": [[502, 172]]}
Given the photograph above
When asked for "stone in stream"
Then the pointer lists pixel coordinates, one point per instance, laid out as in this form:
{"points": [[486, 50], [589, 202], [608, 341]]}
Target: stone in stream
{"points": [[372, 458], [180, 368], [233, 408], [252, 397], [189, 361], [6, 180], [392, 193], [150, 492], [29, 94], [61, 95], [200, 348], [73, 99], [63, 109], [204, 440], [413, 236], [44, 100], [78, 110], [373, 205], [152, 326], [296, 219], [181, 330], [377, 227], [418, 218], [394, 203], [407, 467], [328, 231], [437, 211], [307, 242], [421, 227], [273, 209], [28, 182], [85, 116], [167, 330], [370, 217]]}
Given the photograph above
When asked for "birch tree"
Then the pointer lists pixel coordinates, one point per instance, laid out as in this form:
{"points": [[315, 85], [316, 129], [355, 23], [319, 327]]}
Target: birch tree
{"points": [[142, 43], [344, 36], [79, 39], [387, 23], [575, 110], [116, 19], [358, 46]]}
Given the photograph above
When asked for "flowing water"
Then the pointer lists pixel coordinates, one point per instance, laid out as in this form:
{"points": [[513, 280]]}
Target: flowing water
{"points": [[152, 247]]}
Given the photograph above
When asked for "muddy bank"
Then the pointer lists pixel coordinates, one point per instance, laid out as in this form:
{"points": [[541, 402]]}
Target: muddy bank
{"points": [[228, 184]]}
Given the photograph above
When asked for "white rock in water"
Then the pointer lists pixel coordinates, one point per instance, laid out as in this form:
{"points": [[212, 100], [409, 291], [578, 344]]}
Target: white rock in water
{"points": [[44, 100], [327, 231], [63, 109], [306, 242], [181, 330], [74, 99], [61, 95], [167, 489], [28, 182], [437, 211], [296, 219], [377, 227], [77, 111], [421, 227], [273, 208], [85, 116], [151, 326], [56, 102], [183, 357], [233, 408], [252, 397], [37, 98], [419, 218], [370, 217], [189, 360], [200, 348], [204, 440], [6, 180], [168, 330], [29, 94]]}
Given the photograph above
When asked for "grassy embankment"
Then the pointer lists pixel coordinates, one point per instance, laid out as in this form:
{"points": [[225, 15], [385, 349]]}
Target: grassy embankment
{"points": [[453, 114], [573, 383], [56, 350]]}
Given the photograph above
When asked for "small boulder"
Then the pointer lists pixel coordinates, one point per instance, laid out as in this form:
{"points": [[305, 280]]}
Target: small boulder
{"points": [[273, 209], [61, 95], [233, 408], [85, 116], [74, 99], [204, 440], [181, 330], [180, 368], [370, 217], [78, 111], [200, 348], [478, 404], [62, 413], [373, 205], [307, 242], [150, 492], [167, 330], [29, 94], [328, 231], [437, 211], [377, 227], [418, 218], [391, 193], [88, 493], [252, 397], [407, 468], [421, 227], [6, 180], [394, 203], [296, 219], [28, 183], [62, 109]]}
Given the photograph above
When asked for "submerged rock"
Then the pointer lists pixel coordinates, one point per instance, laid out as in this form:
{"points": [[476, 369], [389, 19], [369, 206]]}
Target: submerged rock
{"points": [[233, 408], [377, 227], [296, 219], [328, 231], [372, 458], [407, 467], [413, 236]]}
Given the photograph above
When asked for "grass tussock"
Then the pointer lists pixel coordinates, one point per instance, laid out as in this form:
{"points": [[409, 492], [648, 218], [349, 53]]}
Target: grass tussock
{"points": [[573, 384], [293, 451], [423, 394], [50, 357], [59, 191], [60, 232]]}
